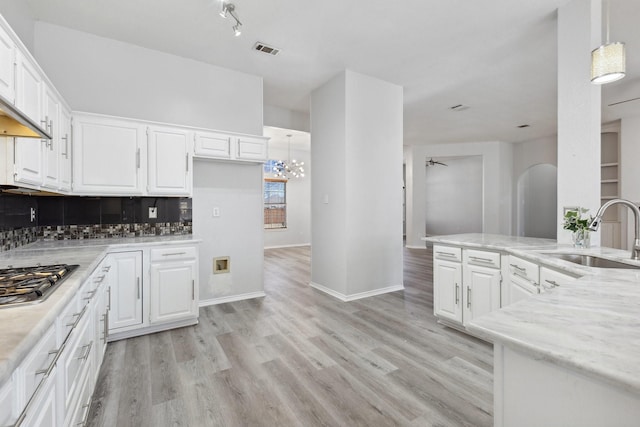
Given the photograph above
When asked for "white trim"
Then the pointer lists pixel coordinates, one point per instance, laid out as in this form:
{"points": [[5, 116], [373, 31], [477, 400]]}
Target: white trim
{"points": [[360, 295], [115, 335], [232, 298], [415, 247], [297, 245]]}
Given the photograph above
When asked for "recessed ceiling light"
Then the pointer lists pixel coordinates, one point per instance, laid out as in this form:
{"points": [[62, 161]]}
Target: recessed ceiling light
{"points": [[523, 126]]}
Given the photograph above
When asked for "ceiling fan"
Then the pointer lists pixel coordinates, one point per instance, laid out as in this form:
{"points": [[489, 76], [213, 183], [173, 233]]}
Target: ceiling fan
{"points": [[432, 162]]}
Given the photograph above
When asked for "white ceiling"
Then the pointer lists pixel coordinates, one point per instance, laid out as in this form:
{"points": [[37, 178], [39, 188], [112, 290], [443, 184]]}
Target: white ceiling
{"points": [[496, 56]]}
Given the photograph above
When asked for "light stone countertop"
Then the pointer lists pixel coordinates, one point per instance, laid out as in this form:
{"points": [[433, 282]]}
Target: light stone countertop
{"points": [[591, 325], [22, 326]]}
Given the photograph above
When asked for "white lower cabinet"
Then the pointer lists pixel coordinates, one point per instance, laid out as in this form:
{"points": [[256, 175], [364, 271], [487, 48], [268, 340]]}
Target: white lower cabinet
{"points": [[550, 279], [447, 298], [43, 409], [173, 292], [125, 277], [466, 284], [8, 395], [481, 291], [523, 280], [153, 289]]}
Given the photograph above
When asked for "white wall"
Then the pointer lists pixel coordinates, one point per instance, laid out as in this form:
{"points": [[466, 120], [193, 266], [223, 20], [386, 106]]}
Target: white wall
{"points": [[286, 119], [298, 231], [579, 111], [356, 152], [236, 189], [497, 161], [454, 196], [20, 18], [101, 75], [536, 202], [328, 177], [629, 170]]}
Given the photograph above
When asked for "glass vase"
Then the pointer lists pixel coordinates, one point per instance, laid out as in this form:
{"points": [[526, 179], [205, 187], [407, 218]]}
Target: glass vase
{"points": [[581, 239]]}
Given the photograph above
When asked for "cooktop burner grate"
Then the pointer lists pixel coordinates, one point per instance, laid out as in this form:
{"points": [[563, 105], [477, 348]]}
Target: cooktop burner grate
{"points": [[31, 284]]}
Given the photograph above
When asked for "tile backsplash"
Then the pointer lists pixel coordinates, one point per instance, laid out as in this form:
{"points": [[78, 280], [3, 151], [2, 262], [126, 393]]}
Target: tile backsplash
{"points": [[25, 219]]}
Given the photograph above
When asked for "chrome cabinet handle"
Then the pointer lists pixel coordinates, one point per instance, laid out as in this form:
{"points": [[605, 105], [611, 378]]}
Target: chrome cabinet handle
{"points": [[193, 289], [109, 299], [65, 138], [138, 285], [446, 254], [86, 353], [517, 267], [79, 316], [138, 158], [457, 294], [481, 259], [187, 162], [90, 295], [99, 279], [468, 297], [174, 254], [553, 283]]}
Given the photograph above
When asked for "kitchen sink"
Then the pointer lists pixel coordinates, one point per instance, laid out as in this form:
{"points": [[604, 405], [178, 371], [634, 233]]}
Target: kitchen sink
{"points": [[593, 261]]}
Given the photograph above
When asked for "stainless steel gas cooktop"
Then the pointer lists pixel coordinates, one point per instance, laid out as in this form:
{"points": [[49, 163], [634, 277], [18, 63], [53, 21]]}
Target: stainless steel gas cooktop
{"points": [[29, 285]]}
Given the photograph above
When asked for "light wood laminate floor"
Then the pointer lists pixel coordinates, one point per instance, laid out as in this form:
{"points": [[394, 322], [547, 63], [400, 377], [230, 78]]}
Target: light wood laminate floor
{"points": [[299, 357]]}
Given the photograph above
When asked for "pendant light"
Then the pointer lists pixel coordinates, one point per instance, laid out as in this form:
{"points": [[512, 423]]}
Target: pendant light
{"points": [[608, 61], [290, 168]]}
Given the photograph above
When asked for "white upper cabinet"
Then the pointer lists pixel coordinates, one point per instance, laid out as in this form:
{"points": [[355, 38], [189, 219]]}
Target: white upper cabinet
{"points": [[7, 66], [226, 146], [64, 134], [169, 161], [212, 145], [107, 155], [252, 148], [51, 154], [28, 167]]}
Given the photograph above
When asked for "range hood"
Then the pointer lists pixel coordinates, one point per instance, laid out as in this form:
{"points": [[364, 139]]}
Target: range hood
{"points": [[14, 122]]}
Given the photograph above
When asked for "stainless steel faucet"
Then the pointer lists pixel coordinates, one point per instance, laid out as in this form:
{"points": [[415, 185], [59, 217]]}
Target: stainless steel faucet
{"points": [[635, 252]]}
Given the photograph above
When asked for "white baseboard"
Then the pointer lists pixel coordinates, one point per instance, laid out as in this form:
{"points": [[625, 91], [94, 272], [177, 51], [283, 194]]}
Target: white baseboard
{"points": [[133, 332], [346, 298], [415, 247], [232, 298], [297, 245]]}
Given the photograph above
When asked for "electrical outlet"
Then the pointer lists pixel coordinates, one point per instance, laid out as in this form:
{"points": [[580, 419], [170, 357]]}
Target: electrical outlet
{"points": [[216, 212], [33, 215], [153, 212]]}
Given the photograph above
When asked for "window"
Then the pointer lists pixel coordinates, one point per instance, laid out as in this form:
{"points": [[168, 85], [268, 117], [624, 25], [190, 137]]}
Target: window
{"points": [[275, 203]]}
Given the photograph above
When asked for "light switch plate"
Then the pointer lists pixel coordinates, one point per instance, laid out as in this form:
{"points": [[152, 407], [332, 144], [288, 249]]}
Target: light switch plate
{"points": [[153, 212]]}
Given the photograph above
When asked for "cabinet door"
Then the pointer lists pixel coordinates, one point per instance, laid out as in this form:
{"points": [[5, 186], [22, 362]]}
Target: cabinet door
{"points": [[28, 151], [169, 169], [174, 291], [51, 154], [550, 279], [125, 278], [212, 145], [106, 155], [447, 288], [481, 291], [519, 288], [251, 148], [65, 149], [7, 66], [42, 412]]}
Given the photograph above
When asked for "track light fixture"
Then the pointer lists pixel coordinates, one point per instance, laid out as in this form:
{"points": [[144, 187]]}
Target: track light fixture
{"points": [[229, 9]]}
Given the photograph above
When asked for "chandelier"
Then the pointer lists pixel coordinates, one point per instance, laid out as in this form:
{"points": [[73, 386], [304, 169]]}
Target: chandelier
{"points": [[290, 168]]}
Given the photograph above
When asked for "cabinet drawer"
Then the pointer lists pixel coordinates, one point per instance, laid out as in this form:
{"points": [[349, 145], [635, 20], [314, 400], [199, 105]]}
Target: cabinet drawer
{"points": [[77, 358], [550, 279], [212, 145], [447, 253], [38, 362], [484, 258], [524, 269], [171, 253], [68, 319]]}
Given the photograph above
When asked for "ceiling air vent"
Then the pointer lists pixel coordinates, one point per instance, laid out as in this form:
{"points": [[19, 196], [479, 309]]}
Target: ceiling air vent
{"points": [[266, 49]]}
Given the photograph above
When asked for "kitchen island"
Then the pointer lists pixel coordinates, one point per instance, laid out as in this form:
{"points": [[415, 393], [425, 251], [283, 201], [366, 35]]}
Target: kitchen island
{"points": [[569, 356]]}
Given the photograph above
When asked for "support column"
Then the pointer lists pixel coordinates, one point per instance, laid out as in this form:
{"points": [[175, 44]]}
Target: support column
{"points": [[356, 186], [579, 111]]}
